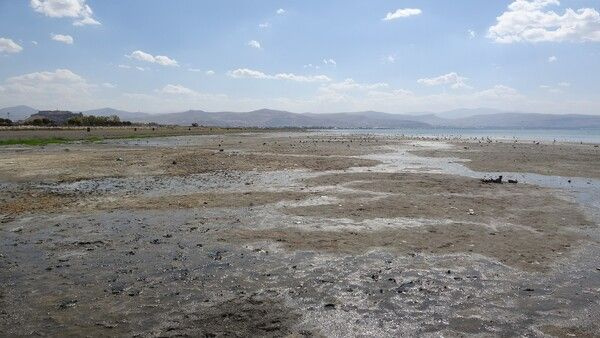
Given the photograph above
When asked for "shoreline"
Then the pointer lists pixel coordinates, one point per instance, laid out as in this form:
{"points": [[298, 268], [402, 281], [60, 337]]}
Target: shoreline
{"points": [[293, 234]]}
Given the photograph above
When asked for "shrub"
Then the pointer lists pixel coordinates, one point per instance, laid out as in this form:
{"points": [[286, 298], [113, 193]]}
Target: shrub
{"points": [[40, 122], [102, 121]]}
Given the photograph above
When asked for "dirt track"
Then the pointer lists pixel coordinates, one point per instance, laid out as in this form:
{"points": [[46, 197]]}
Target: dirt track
{"points": [[295, 234]]}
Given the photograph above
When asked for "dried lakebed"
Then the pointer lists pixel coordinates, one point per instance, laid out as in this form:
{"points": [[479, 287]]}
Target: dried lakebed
{"points": [[292, 234]]}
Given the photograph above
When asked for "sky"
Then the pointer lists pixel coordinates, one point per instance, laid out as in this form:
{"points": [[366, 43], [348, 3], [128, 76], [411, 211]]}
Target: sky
{"points": [[397, 56]]}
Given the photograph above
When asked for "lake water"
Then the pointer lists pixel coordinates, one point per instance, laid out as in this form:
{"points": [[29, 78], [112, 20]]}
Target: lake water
{"points": [[560, 135]]}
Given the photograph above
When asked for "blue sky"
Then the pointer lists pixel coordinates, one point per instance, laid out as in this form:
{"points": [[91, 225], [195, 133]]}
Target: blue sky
{"points": [[318, 56]]}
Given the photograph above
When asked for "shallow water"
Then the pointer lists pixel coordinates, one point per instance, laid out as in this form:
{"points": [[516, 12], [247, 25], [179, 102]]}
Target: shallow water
{"points": [[560, 135]]}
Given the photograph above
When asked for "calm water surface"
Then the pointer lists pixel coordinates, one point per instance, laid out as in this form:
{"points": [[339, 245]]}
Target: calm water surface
{"points": [[560, 135]]}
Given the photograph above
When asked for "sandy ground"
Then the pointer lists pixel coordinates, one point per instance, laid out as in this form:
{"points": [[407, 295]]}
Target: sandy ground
{"points": [[569, 160], [299, 234]]}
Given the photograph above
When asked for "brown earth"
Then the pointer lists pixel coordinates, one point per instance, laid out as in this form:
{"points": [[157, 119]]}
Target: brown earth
{"points": [[522, 226], [157, 257], [86, 162], [561, 159]]}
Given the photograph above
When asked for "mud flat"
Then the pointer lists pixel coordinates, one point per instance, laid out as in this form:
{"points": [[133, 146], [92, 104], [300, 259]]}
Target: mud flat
{"points": [[562, 159], [300, 234]]}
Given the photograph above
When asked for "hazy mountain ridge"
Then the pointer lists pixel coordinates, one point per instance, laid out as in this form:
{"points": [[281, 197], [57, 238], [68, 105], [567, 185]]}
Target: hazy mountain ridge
{"points": [[17, 113], [458, 118]]}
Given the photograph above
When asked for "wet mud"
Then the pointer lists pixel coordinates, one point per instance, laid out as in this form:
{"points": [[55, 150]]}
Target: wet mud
{"points": [[287, 234]]}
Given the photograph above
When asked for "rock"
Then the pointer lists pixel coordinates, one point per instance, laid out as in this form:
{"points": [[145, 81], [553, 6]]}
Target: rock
{"points": [[513, 181], [119, 159], [329, 306], [471, 212], [65, 304]]}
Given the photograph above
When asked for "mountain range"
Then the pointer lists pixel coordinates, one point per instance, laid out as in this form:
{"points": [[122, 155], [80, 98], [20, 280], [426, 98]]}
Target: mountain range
{"points": [[459, 118]]}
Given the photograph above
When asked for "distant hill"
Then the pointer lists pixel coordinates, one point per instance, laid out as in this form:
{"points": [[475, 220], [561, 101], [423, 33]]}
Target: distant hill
{"points": [[56, 117], [458, 118], [278, 118], [17, 113], [372, 119], [467, 112], [527, 120], [122, 114]]}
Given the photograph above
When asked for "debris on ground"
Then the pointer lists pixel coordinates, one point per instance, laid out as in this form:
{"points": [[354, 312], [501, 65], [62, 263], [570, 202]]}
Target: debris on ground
{"points": [[492, 180]]}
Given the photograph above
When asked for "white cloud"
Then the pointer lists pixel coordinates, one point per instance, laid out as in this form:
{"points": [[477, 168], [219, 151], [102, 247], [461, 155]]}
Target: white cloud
{"points": [[551, 89], [60, 88], [302, 78], [347, 89], [556, 89], [552, 59], [34, 43], [453, 79], [176, 90], [350, 95], [264, 25], [280, 11], [86, 21], [158, 59], [77, 9], [67, 39], [142, 56], [402, 13], [254, 44], [108, 85], [330, 62], [9, 46], [350, 84], [247, 73], [58, 76], [472, 34], [527, 21], [311, 66], [195, 70], [141, 69], [390, 58], [124, 66], [256, 74]]}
